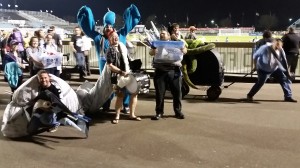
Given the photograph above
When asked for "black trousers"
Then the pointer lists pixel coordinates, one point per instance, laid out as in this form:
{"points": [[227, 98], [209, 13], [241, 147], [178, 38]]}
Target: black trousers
{"points": [[292, 60], [173, 79]]}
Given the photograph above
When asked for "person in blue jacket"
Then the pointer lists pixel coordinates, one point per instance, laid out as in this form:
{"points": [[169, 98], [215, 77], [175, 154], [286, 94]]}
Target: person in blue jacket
{"points": [[86, 21]]}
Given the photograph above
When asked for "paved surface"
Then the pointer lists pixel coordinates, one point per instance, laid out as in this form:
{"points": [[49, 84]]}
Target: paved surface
{"points": [[222, 134]]}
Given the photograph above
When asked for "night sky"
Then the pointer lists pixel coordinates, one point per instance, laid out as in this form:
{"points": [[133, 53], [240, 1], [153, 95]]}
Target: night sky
{"points": [[198, 11]]}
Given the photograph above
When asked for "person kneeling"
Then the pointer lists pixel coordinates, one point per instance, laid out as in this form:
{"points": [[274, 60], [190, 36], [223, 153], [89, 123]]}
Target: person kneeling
{"points": [[43, 115]]}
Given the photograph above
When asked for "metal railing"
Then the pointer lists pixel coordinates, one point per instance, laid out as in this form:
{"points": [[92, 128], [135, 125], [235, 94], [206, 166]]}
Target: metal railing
{"points": [[236, 57]]}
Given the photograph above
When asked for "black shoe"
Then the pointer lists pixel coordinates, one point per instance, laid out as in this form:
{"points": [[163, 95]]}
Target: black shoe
{"points": [[249, 98], [179, 116], [82, 78], [289, 99], [156, 117]]}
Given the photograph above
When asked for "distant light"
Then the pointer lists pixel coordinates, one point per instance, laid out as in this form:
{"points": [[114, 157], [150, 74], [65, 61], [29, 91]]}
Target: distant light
{"points": [[212, 21], [16, 6], [0, 4], [41, 11], [46, 10], [290, 19], [51, 11], [8, 5]]}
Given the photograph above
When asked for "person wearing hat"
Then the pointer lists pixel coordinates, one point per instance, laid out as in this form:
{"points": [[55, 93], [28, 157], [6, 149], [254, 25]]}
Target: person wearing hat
{"points": [[191, 34], [269, 60], [13, 66], [17, 36], [86, 21]]}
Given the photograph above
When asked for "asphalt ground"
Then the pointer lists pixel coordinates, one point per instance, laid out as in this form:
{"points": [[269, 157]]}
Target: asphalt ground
{"points": [[227, 133]]}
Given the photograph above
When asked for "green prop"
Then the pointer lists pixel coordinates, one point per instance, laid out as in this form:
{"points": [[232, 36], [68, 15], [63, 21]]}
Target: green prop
{"points": [[189, 63]]}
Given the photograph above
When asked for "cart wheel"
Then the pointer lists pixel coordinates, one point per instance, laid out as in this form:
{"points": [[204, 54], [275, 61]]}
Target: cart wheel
{"points": [[213, 93], [185, 89]]}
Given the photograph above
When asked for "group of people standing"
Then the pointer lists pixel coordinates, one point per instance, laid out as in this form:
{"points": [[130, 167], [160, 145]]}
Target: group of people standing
{"points": [[110, 48], [276, 57], [28, 50], [165, 75]]}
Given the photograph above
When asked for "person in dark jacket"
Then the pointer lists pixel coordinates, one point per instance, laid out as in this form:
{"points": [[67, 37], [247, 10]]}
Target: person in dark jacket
{"points": [[291, 43], [167, 73], [267, 38]]}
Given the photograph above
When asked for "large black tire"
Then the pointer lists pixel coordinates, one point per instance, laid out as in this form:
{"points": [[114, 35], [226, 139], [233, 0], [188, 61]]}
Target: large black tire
{"points": [[213, 93]]}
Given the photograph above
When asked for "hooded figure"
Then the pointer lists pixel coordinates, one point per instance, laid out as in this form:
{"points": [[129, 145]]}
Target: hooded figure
{"points": [[86, 21]]}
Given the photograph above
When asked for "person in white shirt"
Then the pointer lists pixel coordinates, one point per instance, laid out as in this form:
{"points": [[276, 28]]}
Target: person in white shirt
{"points": [[50, 48], [86, 47], [34, 53]]}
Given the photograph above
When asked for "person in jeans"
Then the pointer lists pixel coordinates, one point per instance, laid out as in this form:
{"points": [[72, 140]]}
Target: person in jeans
{"points": [[167, 74], [270, 59], [76, 44]]}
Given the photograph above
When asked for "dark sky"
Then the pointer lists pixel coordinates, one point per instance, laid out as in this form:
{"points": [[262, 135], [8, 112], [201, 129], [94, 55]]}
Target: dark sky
{"points": [[198, 11]]}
